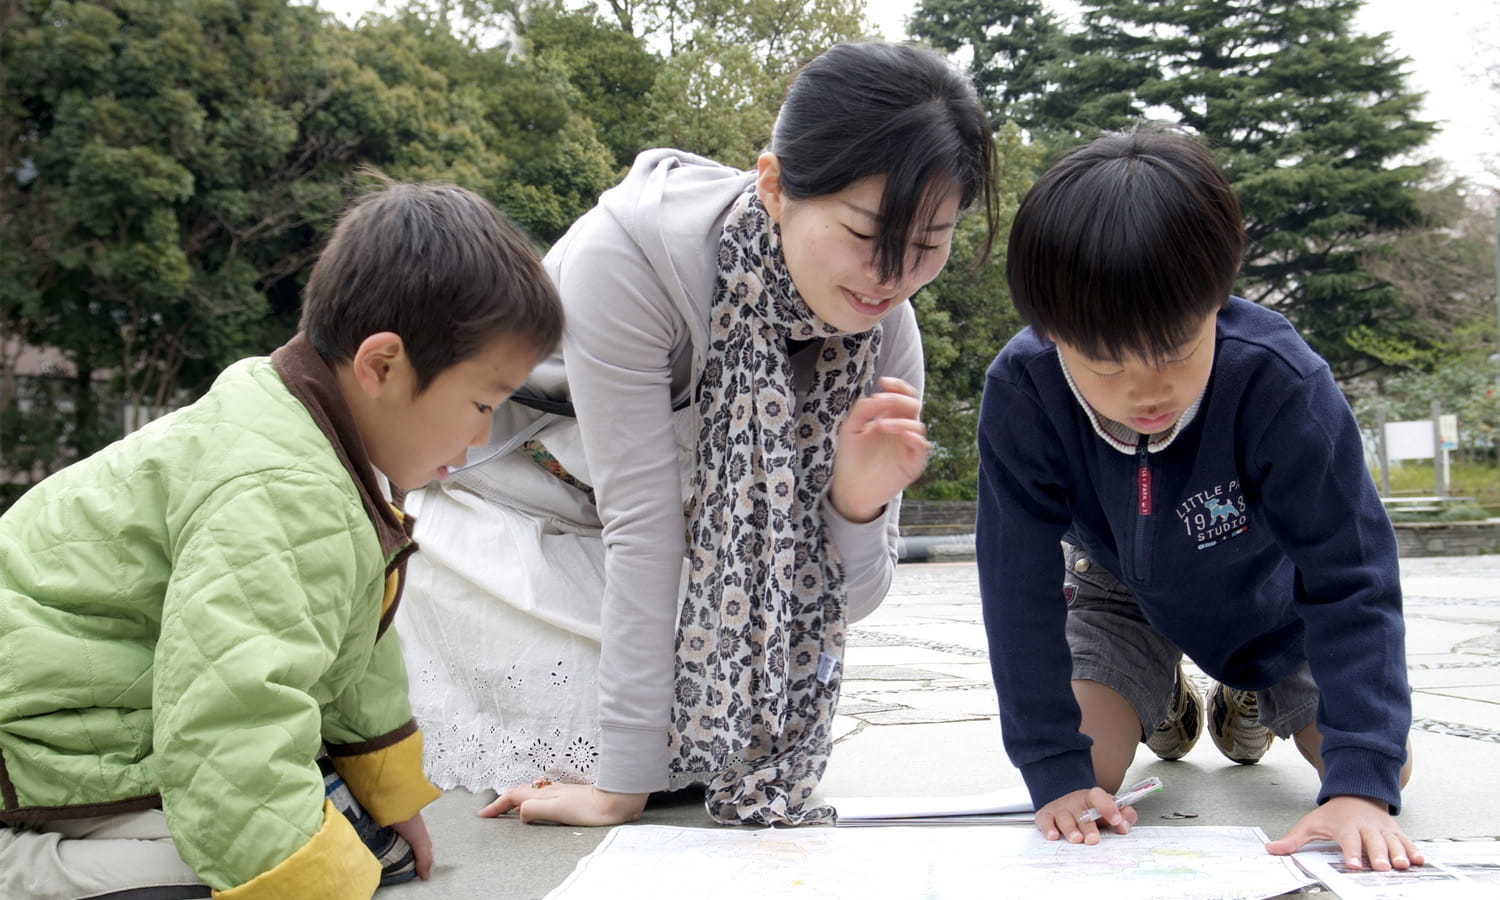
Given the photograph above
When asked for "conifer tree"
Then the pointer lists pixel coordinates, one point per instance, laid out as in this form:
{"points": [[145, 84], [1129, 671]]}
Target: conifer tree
{"points": [[1010, 43], [1312, 121]]}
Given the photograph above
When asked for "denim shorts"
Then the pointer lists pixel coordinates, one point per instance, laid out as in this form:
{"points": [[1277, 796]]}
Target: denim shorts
{"points": [[1113, 644]]}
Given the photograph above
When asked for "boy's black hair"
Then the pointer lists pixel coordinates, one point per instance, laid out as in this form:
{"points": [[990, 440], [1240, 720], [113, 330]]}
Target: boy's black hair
{"points": [[898, 110], [435, 264], [1125, 244]]}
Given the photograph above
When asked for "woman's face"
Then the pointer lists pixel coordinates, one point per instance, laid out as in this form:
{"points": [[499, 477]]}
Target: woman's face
{"points": [[829, 246]]}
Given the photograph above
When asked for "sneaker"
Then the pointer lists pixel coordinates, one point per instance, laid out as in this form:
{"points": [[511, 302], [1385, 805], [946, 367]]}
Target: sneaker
{"points": [[397, 861], [1234, 722], [1174, 737]]}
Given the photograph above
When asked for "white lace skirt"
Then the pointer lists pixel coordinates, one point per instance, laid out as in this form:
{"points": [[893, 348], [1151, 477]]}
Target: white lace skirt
{"points": [[499, 624]]}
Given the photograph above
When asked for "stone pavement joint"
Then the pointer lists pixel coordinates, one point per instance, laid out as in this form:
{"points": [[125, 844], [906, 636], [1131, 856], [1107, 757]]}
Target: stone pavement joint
{"points": [[1456, 730], [1468, 664], [866, 636]]}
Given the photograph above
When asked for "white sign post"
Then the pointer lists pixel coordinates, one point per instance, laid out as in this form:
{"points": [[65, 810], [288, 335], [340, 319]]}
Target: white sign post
{"points": [[1424, 439]]}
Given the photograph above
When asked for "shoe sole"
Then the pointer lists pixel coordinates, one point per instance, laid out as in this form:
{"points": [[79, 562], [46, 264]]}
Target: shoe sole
{"points": [[1184, 740], [1219, 711]]}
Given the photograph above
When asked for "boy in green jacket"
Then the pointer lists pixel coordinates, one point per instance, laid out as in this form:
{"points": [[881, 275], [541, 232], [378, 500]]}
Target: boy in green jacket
{"points": [[188, 616]]}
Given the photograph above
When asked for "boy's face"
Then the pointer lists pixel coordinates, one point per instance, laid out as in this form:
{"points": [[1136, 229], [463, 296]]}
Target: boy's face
{"points": [[411, 437], [1137, 393]]}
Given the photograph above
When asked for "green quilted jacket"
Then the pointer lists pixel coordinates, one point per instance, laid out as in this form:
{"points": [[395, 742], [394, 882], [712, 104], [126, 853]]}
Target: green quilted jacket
{"points": [[186, 616]]}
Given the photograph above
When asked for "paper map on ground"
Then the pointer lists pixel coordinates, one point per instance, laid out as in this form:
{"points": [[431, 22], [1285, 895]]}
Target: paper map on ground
{"points": [[637, 862], [1012, 804], [1455, 870]]}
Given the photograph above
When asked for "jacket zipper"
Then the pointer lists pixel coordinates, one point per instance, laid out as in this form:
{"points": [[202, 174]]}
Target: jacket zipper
{"points": [[1142, 505]]}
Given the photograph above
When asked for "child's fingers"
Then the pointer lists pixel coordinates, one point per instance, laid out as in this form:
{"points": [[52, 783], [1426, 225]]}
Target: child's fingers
{"points": [[1413, 852], [1295, 839], [1394, 850]]}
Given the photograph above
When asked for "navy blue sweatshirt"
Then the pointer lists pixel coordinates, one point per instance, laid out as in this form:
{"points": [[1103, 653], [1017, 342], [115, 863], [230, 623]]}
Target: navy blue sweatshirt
{"points": [[1255, 539]]}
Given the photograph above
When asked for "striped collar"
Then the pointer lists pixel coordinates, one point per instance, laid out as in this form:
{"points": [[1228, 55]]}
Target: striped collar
{"points": [[1122, 437]]}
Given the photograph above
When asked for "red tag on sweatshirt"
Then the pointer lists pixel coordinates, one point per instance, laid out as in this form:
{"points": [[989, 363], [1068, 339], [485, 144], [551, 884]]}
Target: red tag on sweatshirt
{"points": [[1143, 491]]}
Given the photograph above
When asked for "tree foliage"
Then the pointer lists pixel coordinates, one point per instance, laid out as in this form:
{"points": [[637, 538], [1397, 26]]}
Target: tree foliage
{"points": [[167, 162], [1310, 120], [1444, 269], [1009, 45], [727, 66], [701, 75], [172, 167], [1468, 389], [966, 317], [608, 66]]}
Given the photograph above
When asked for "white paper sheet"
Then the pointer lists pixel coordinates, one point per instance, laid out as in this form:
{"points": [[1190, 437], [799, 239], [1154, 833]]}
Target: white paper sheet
{"points": [[1453, 871], [646, 862], [1012, 804]]}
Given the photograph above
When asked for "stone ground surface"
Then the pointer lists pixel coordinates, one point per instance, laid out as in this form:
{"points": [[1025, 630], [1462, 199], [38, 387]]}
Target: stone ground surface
{"points": [[918, 717]]}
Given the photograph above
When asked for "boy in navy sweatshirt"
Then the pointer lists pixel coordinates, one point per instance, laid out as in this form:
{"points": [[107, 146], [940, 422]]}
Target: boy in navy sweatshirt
{"points": [[1167, 469]]}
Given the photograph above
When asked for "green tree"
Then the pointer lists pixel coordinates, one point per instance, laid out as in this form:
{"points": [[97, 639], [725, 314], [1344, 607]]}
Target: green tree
{"points": [[1443, 267], [1310, 121], [172, 168], [506, 125], [608, 66], [1009, 44], [173, 157], [727, 64], [966, 317], [716, 70]]}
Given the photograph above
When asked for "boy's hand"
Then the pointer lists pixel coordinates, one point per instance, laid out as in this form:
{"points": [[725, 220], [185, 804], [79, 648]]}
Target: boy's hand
{"points": [[567, 804], [1059, 819], [414, 830], [1364, 830], [882, 448]]}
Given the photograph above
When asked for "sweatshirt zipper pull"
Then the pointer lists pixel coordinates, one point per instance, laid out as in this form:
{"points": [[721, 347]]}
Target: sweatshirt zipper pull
{"points": [[1142, 479], [1142, 507]]}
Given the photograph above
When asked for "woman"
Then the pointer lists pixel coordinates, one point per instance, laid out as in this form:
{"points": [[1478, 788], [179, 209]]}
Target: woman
{"points": [[745, 373]]}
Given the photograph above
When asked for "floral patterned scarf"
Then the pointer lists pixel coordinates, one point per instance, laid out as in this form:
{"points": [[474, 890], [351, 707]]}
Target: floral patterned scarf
{"points": [[760, 640]]}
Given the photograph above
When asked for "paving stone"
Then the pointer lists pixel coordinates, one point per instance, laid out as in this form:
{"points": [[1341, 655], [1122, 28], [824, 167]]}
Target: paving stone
{"points": [[853, 672], [918, 717], [904, 730]]}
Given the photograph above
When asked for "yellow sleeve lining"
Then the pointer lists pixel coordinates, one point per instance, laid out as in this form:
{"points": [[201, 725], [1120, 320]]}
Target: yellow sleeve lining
{"points": [[333, 865], [388, 782]]}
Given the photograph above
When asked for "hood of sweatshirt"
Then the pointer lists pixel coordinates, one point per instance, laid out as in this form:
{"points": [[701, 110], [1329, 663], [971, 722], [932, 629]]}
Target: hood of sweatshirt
{"points": [[672, 206]]}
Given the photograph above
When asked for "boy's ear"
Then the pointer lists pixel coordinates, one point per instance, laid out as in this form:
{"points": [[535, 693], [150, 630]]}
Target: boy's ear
{"points": [[376, 360], [768, 184]]}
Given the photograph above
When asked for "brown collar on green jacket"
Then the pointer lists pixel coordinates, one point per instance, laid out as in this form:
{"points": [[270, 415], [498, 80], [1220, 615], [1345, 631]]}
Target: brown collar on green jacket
{"points": [[312, 382]]}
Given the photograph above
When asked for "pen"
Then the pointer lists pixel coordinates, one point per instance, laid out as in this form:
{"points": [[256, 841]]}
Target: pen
{"points": [[1126, 797]]}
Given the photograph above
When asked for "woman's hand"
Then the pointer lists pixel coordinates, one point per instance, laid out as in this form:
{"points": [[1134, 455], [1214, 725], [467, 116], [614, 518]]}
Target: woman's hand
{"points": [[882, 448], [567, 804]]}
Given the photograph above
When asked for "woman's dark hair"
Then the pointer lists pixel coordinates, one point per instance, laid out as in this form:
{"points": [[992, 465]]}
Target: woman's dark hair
{"points": [[1125, 244], [873, 108]]}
